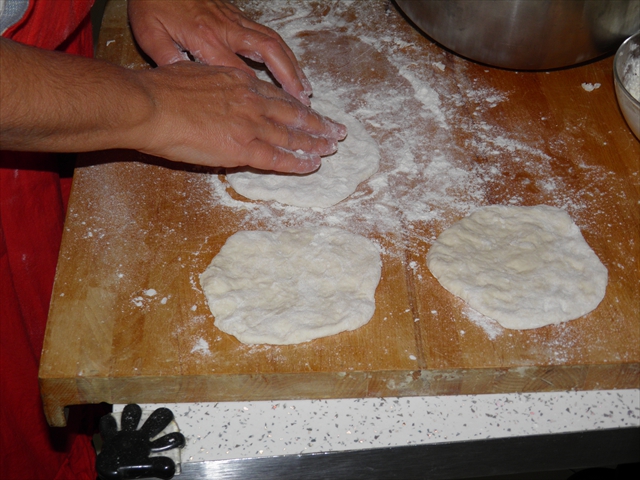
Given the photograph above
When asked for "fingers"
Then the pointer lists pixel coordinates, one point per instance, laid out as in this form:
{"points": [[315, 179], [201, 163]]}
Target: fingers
{"points": [[296, 140], [291, 137], [263, 156], [161, 48], [280, 108], [214, 32], [259, 48], [262, 44], [286, 147], [315, 124], [153, 39], [311, 123], [280, 60], [220, 116]]}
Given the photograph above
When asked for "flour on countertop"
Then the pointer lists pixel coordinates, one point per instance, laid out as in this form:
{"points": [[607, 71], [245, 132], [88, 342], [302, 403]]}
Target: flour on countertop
{"points": [[590, 87], [426, 177], [444, 153], [202, 347], [490, 327]]}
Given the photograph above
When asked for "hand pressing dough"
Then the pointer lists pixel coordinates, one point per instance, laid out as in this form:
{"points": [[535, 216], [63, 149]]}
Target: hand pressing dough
{"points": [[525, 267], [292, 286], [338, 177]]}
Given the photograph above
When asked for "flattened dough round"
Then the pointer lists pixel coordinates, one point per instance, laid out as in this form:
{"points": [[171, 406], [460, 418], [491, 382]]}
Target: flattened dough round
{"points": [[525, 267], [338, 177], [292, 286]]}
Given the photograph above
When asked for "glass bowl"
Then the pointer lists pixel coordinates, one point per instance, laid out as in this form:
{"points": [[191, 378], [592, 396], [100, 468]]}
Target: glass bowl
{"points": [[626, 75]]}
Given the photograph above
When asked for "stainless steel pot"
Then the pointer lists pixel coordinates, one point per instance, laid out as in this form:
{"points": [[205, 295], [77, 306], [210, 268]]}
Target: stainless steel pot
{"points": [[526, 34]]}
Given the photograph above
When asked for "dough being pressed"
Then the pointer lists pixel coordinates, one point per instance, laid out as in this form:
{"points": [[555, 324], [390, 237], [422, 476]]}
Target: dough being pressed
{"points": [[525, 267], [292, 286], [338, 177]]}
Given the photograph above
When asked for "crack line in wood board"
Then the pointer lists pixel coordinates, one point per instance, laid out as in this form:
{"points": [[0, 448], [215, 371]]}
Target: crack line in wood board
{"points": [[411, 293]]}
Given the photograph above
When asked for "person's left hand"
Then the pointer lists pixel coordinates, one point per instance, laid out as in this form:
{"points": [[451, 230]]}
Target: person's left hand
{"points": [[214, 32]]}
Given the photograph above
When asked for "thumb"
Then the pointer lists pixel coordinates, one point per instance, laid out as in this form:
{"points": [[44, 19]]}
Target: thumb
{"points": [[159, 45], [215, 54]]}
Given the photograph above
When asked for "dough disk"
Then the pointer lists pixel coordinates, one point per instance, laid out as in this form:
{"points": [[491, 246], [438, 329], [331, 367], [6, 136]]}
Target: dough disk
{"points": [[338, 177], [525, 267], [292, 286]]}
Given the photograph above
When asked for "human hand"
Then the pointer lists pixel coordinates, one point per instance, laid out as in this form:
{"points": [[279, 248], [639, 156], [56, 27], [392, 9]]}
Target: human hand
{"points": [[220, 116], [214, 32]]}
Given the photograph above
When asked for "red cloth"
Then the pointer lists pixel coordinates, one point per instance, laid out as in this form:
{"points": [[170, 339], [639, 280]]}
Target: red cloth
{"points": [[32, 208]]}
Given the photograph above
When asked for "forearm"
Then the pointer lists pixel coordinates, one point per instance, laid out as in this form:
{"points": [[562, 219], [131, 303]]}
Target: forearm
{"points": [[185, 112], [51, 101]]}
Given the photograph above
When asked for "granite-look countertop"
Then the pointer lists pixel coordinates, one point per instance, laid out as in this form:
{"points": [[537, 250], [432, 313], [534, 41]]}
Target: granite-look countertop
{"points": [[231, 430]]}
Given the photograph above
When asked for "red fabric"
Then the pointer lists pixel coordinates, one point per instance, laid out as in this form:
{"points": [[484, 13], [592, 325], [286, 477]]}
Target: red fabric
{"points": [[49, 24], [32, 208]]}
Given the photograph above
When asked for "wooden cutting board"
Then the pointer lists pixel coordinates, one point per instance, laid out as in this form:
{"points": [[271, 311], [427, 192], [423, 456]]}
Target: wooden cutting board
{"points": [[129, 322]]}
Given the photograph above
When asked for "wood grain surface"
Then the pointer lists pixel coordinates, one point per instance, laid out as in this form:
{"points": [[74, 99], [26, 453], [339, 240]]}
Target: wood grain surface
{"points": [[129, 322]]}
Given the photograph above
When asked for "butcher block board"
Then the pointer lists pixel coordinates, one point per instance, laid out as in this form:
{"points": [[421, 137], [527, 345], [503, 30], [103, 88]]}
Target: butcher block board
{"points": [[129, 321]]}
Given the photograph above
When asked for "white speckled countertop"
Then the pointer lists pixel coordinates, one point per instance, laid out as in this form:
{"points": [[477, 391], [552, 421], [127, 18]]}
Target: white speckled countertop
{"points": [[228, 430]]}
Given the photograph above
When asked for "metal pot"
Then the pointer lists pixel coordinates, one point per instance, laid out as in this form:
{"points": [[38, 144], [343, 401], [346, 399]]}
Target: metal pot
{"points": [[526, 34]]}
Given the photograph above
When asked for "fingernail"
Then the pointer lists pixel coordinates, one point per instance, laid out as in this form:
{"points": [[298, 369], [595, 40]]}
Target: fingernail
{"points": [[315, 163], [309, 164], [336, 130], [341, 131], [179, 57], [304, 99], [306, 84]]}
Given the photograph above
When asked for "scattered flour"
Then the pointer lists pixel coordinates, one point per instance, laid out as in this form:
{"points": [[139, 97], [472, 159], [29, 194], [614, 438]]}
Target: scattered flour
{"points": [[590, 87], [428, 176], [492, 328], [202, 347], [439, 65], [444, 153]]}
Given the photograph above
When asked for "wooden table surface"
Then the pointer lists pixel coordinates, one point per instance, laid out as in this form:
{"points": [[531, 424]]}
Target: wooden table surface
{"points": [[129, 322]]}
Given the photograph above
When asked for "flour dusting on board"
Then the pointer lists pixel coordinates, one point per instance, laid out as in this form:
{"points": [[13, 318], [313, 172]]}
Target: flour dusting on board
{"points": [[490, 326], [202, 347], [425, 176], [428, 177]]}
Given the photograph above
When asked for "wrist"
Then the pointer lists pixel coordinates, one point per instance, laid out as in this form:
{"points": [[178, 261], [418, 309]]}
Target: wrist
{"points": [[134, 126]]}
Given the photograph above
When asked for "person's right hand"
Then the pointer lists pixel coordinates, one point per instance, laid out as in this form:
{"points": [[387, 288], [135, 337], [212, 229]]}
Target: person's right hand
{"points": [[221, 116], [214, 32]]}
